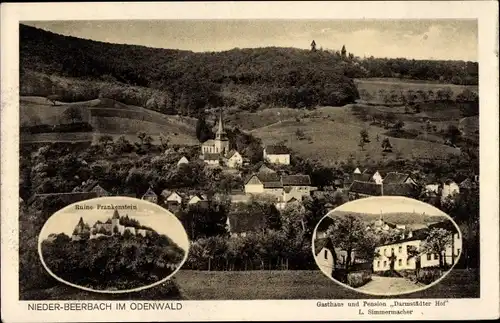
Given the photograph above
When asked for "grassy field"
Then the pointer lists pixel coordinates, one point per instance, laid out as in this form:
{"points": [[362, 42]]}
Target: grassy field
{"points": [[106, 117], [203, 285], [332, 134], [372, 86]]}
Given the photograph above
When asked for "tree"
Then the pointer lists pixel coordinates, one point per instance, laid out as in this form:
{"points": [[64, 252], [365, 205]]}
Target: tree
{"points": [[73, 114], [105, 140], [361, 143], [437, 242], [203, 131], [348, 233], [364, 136], [398, 125], [453, 134], [141, 135], [313, 46], [343, 52], [386, 145]]}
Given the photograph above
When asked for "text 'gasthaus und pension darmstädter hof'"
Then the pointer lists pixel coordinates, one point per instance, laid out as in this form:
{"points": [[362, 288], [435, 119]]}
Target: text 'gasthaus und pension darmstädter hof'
{"points": [[105, 306], [392, 307]]}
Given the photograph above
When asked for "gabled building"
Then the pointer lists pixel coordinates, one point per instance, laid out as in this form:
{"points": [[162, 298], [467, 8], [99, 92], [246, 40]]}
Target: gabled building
{"points": [[276, 154], [92, 186], [264, 183], [399, 178], [219, 145], [150, 196], [296, 186], [183, 160], [234, 159], [238, 224], [449, 190], [264, 169]]}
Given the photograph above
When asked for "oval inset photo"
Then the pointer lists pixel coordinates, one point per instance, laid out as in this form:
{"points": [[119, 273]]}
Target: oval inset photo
{"points": [[386, 245], [113, 245]]}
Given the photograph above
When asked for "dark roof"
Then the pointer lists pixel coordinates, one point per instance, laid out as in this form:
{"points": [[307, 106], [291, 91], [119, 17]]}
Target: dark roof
{"points": [[396, 178], [273, 184], [211, 156], [362, 177], [419, 234], [399, 190], [231, 153], [265, 169], [367, 188], [295, 180], [319, 244], [241, 222], [150, 192], [277, 150]]}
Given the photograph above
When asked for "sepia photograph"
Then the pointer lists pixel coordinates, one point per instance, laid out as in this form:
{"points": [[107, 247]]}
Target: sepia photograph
{"points": [[406, 246], [248, 141], [113, 245], [197, 160]]}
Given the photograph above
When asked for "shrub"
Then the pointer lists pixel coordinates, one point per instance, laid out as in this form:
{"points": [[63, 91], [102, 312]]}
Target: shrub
{"points": [[428, 275], [358, 279]]}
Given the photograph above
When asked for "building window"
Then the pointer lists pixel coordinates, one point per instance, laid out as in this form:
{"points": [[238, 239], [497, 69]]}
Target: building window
{"points": [[385, 263], [326, 254], [407, 262], [458, 251], [436, 256], [400, 262], [400, 249], [428, 256], [392, 251], [378, 264]]}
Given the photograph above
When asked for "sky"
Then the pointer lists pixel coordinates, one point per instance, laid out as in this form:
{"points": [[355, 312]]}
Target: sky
{"points": [[418, 39], [154, 217], [389, 204]]}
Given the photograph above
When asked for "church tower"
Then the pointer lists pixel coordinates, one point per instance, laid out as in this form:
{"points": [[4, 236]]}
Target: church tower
{"points": [[221, 139], [115, 220]]}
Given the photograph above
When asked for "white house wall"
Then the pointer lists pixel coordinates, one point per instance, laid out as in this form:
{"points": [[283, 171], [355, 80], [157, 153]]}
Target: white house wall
{"points": [[324, 259]]}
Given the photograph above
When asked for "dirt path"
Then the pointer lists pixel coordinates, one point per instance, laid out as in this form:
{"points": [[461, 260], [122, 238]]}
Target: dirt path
{"points": [[389, 285]]}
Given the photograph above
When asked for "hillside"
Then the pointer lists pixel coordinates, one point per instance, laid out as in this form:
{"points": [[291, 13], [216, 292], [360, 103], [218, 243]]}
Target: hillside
{"points": [[106, 116], [184, 82], [190, 81]]}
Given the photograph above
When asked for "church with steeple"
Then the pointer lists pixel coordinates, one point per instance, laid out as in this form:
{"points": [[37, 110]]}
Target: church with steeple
{"points": [[219, 145]]}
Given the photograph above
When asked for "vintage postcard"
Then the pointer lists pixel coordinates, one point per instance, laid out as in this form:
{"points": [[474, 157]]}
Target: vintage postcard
{"points": [[249, 161]]}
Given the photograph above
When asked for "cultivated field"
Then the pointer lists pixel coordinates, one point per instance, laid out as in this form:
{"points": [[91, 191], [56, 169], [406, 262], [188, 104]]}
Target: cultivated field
{"points": [[332, 134], [106, 117], [372, 86], [204, 285]]}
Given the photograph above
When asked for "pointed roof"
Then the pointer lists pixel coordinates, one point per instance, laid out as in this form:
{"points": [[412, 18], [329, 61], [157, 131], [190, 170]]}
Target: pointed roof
{"points": [[357, 171], [149, 192], [396, 178], [221, 133], [183, 160], [265, 169]]}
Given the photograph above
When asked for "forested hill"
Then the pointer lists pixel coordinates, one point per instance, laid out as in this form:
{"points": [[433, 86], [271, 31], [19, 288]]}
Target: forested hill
{"points": [[187, 81]]}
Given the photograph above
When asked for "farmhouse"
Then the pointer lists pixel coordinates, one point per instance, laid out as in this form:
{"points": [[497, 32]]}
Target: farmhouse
{"points": [[400, 254], [359, 189], [296, 186], [265, 183], [239, 224], [171, 197], [323, 254], [150, 196], [450, 189], [92, 186], [197, 200], [277, 155], [373, 175], [183, 160], [234, 159], [219, 145], [399, 178]]}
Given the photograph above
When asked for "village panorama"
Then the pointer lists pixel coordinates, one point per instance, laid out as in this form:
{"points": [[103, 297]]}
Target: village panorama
{"points": [[248, 148]]}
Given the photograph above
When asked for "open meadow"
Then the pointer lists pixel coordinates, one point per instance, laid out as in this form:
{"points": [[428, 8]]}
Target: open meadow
{"points": [[239, 285]]}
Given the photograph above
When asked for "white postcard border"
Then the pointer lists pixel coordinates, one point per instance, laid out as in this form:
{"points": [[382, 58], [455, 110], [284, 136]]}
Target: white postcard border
{"points": [[486, 12]]}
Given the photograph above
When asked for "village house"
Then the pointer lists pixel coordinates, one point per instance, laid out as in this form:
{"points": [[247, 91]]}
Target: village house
{"points": [[265, 183], [197, 199], [374, 176], [296, 186], [183, 160], [323, 255], [219, 145], [449, 189], [171, 197], [234, 159], [399, 251], [399, 178], [92, 186], [277, 155], [239, 225], [212, 159], [394, 184], [150, 196]]}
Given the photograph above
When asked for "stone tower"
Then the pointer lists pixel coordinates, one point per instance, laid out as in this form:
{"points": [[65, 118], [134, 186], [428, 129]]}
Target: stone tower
{"points": [[221, 139], [115, 220]]}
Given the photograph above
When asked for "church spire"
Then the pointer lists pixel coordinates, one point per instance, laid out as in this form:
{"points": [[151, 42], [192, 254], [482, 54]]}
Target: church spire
{"points": [[221, 133]]}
